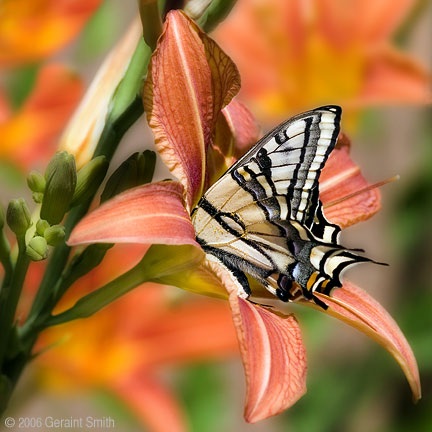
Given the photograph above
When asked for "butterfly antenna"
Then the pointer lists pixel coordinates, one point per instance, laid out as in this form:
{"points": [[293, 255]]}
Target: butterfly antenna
{"points": [[360, 191]]}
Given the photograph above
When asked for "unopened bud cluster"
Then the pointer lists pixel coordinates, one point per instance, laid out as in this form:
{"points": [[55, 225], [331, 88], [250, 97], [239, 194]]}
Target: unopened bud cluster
{"points": [[58, 190]]}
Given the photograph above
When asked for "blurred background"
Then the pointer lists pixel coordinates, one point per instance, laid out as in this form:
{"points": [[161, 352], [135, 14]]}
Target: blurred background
{"points": [[165, 360]]}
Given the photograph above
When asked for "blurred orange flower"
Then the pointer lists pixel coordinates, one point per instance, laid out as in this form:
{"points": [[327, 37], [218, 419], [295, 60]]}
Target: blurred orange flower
{"points": [[123, 347], [31, 30], [189, 82], [29, 135], [295, 55]]}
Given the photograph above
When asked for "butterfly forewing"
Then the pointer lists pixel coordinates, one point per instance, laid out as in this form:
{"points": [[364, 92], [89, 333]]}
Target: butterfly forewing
{"points": [[264, 217]]}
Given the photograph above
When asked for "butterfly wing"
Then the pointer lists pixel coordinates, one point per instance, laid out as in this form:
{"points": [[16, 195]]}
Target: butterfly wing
{"points": [[263, 216]]}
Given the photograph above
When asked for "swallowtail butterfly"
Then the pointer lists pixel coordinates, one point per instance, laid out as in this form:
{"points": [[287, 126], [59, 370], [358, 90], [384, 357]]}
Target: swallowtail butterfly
{"points": [[264, 218]]}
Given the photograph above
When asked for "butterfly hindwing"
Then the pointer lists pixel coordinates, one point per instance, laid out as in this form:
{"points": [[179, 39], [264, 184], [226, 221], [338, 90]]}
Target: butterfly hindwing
{"points": [[263, 217]]}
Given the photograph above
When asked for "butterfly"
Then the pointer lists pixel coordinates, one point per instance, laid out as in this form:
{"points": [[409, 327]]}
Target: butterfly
{"points": [[264, 218]]}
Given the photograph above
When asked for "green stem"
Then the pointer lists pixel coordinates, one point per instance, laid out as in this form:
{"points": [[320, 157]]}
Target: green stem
{"points": [[56, 263], [126, 109], [6, 260], [12, 295], [93, 302]]}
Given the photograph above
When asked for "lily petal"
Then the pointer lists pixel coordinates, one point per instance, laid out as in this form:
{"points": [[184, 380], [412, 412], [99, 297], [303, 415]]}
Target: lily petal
{"points": [[273, 354], [30, 31], [189, 81], [236, 131], [191, 331], [368, 21], [340, 178], [85, 128], [152, 402], [274, 359], [358, 309], [30, 133], [152, 213], [393, 76]]}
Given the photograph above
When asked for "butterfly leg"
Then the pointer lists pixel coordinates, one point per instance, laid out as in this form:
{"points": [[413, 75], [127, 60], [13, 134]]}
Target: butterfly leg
{"points": [[319, 302]]}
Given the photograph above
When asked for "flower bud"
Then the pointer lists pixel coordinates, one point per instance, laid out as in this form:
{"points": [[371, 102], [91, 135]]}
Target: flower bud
{"points": [[41, 226], [36, 181], [18, 216], [136, 170], [195, 8], [89, 178], [60, 186], [37, 249], [37, 197], [54, 235]]}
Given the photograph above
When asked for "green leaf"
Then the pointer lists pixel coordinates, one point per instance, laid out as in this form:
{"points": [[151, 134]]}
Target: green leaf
{"points": [[215, 13]]}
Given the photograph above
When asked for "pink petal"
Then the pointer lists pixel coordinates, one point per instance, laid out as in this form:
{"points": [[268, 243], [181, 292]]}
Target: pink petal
{"points": [[244, 127], [189, 81], [152, 402], [356, 308], [367, 22], [273, 354], [395, 78], [152, 213], [236, 131], [380, 18], [274, 359], [192, 331], [340, 178]]}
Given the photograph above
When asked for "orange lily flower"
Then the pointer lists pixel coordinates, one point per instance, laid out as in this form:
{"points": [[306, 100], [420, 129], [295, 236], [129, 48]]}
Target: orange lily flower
{"points": [[190, 80], [296, 55], [31, 30], [29, 135], [147, 332]]}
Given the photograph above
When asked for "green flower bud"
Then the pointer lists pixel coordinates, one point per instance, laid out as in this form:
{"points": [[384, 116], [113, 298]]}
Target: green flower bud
{"points": [[37, 249], [36, 181], [195, 8], [89, 178], [60, 186], [18, 217], [37, 197], [54, 235], [41, 226], [136, 170]]}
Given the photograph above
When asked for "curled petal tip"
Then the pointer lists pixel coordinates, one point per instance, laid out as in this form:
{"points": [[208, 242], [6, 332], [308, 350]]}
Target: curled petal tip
{"points": [[355, 307]]}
